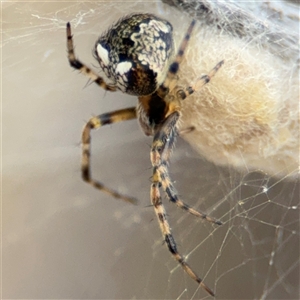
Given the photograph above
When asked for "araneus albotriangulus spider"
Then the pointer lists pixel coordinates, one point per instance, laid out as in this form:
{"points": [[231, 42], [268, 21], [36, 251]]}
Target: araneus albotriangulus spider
{"points": [[136, 54]]}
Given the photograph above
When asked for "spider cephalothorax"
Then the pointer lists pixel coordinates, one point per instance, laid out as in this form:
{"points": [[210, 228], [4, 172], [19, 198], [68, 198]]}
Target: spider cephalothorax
{"points": [[136, 54]]}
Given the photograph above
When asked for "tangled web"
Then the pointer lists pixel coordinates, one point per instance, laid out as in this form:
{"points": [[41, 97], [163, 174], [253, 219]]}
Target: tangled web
{"points": [[253, 255]]}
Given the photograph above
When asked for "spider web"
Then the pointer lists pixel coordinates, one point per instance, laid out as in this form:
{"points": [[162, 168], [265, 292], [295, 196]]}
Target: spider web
{"points": [[61, 239]]}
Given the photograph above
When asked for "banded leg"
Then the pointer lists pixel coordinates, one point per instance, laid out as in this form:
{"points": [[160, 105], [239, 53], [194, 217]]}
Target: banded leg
{"points": [[168, 187], [94, 123], [174, 67], [163, 142], [77, 64], [168, 237], [200, 82]]}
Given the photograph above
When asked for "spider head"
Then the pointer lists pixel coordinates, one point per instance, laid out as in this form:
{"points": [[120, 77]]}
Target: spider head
{"points": [[135, 53]]}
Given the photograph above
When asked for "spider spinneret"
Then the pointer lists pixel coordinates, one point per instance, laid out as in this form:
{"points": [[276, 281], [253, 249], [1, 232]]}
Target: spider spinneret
{"points": [[136, 55]]}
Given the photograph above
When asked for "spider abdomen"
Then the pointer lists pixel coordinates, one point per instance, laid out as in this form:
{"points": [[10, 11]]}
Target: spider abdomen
{"points": [[135, 53]]}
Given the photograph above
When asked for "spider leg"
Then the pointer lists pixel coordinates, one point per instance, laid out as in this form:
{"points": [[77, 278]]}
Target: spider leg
{"points": [[94, 123], [174, 67], [200, 82], [168, 237], [77, 64], [163, 142], [173, 196]]}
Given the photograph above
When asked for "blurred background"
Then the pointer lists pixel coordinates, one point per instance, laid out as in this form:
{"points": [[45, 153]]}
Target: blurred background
{"points": [[62, 239]]}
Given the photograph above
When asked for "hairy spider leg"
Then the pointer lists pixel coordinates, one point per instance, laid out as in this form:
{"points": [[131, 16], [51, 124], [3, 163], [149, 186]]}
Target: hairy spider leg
{"points": [[200, 82], [168, 237], [94, 123], [77, 64], [174, 67], [162, 145], [163, 142]]}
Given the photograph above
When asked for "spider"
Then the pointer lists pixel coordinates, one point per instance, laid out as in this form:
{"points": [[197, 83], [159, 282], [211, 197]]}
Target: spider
{"points": [[137, 55]]}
